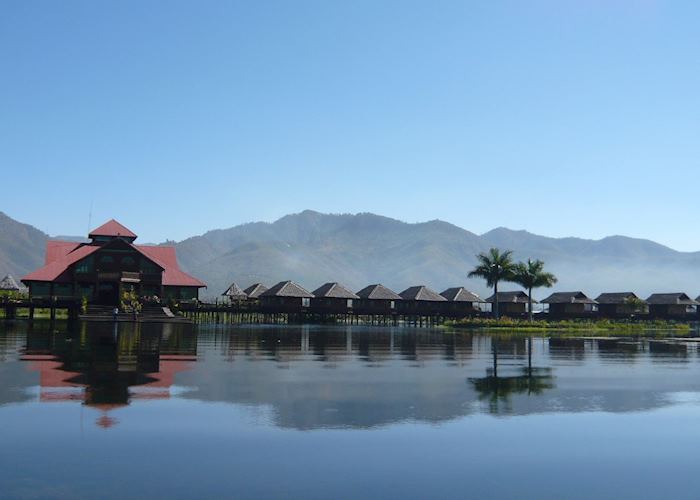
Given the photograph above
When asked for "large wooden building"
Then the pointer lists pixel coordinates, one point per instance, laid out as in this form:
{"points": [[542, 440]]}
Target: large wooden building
{"points": [[110, 263]]}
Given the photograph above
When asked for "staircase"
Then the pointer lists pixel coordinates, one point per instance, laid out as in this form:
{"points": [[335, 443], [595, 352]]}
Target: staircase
{"points": [[149, 314]]}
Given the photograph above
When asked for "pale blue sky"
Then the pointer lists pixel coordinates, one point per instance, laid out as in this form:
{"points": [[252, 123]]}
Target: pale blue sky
{"points": [[576, 117]]}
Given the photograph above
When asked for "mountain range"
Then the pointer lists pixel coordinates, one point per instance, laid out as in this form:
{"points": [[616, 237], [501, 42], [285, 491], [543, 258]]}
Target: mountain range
{"points": [[358, 249]]}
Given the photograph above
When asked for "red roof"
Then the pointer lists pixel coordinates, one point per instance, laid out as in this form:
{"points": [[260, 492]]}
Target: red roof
{"points": [[56, 250], [112, 228], [54, 270], [60, 255], [167, 259]]}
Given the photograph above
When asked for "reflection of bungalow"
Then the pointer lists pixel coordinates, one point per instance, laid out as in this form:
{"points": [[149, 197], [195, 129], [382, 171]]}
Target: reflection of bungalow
{"points": [[621, 305], [511, 303], [332, 298], [286, 297], [570, 305], [461, 302], [109, 263], [671, 305], [235, 293], [376, 299], [421, 300]]}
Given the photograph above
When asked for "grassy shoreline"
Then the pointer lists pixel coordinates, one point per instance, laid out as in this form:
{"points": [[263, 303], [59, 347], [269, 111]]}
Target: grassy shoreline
{"points": [[604, 326]]}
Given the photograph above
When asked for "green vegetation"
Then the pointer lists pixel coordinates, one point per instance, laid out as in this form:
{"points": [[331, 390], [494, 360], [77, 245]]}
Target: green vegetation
{"points": [[604, 325], [531, 275], [494, 266]]}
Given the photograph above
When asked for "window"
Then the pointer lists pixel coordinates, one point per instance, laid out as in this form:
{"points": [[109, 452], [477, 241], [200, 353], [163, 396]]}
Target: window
{"points": [[349, 303], [305, 302], [84, 266], [392, 304]]}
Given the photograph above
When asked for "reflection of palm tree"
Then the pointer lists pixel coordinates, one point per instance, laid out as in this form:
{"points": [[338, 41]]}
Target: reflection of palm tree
{"points": [[497, 389]]}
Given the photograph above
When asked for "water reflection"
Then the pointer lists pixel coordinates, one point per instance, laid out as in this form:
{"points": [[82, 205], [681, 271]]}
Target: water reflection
{"points": [[497, 390], [346, 377]]}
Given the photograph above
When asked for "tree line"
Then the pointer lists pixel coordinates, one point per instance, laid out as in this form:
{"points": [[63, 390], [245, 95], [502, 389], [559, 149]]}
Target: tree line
{"points": [[495, 266]]}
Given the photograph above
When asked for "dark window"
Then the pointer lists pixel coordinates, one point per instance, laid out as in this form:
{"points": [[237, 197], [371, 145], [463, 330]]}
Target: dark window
{"points": [[128, 261]]}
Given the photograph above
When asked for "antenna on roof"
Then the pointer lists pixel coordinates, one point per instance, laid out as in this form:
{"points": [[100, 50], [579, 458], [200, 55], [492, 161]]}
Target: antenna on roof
{"points": [[89, 218]]}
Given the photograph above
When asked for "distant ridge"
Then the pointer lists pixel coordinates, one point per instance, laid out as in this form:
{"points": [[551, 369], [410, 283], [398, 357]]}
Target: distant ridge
{"points": [[312, 248]]}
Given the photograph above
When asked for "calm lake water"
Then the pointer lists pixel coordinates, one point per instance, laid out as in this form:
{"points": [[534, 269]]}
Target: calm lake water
{"points": [[333, 412]]}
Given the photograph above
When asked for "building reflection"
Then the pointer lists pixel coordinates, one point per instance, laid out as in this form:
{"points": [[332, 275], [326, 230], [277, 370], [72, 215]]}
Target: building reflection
{"points": [[314, 377], [106, 366]]}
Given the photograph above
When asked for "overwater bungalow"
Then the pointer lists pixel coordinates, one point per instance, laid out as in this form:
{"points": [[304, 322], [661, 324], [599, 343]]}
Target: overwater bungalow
{"points": [[254, 291], [110, 263], [621, 305], [9, 285], [570, 305], [671, 305], [376, 299], [511, 303], [286, 297], [333, 298], [461, 302], [235, 294], [421, 301]]}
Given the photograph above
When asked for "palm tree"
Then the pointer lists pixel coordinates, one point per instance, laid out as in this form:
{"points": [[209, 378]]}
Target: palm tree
{"points": [[531, 275], [494, 266]]}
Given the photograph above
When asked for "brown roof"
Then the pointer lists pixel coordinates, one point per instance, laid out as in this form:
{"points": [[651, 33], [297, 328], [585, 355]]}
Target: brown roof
{"points": [[616, 297], [287, 289], [671, 299], [515, 297], [334, 291], [378, 292], [235, 292], [422, 293], [255, 290], [568, 298], [461, 294]]}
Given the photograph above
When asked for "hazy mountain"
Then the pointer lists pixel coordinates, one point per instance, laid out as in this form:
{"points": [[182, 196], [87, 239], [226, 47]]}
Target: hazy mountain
{"points": [[360, 249], [21, 247]]}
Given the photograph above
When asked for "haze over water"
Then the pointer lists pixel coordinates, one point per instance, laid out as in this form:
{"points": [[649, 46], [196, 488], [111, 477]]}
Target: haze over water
{"points": [[338, 412]]}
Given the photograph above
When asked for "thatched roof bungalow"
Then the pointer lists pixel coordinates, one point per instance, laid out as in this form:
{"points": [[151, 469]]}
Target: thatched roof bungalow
{"points": [[286, 297], [621, 305], [511, 303], [333, 298], [376, 299], [676, 305], [570, 305], [235, 293], [9, 284], [461, 302], [421, 300], [255, 290]]}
